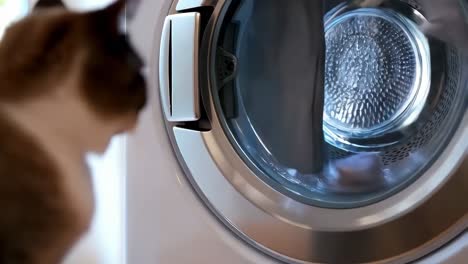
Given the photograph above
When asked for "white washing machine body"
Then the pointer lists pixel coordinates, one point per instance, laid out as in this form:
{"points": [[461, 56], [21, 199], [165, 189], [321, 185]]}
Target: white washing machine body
{"points": [[167, 220]]}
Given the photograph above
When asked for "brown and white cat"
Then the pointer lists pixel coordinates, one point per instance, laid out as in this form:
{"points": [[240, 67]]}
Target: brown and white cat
{"points": [[68, 83]]}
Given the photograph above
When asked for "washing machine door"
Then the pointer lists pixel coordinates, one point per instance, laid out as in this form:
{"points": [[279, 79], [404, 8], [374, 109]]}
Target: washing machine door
{"points": [[321, 132]]}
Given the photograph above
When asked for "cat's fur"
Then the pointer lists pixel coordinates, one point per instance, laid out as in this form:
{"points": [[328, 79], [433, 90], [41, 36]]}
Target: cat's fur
{"points": [[68, 83]]}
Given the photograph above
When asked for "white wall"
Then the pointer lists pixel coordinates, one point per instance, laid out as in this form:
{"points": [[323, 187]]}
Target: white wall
{"points": [[11, 10], [105, 242]]}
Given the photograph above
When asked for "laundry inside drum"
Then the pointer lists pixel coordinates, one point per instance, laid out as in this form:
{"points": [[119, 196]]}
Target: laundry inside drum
{"points": [[377, 76], [394, 98]]}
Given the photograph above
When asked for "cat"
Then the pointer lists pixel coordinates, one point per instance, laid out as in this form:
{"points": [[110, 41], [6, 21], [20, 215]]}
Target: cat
{"points": [[68, 83]]}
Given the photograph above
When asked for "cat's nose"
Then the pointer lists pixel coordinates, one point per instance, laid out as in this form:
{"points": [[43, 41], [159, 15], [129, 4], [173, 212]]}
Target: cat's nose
{"points": [[139, 86]]}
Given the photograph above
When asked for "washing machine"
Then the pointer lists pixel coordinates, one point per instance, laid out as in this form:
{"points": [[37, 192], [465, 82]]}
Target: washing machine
{"points": [[299, 132]]}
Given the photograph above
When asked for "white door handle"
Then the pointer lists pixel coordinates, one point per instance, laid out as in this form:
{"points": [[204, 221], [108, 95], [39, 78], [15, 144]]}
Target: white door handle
{"points": [[178, 69]]}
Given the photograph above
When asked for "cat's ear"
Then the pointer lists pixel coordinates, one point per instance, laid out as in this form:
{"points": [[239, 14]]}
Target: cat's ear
{"points": [[116, 8], [49, 3], [109, 17]]}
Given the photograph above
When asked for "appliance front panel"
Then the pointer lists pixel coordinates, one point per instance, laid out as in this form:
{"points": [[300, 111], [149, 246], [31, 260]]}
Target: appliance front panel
{"points": [[375, 194]]}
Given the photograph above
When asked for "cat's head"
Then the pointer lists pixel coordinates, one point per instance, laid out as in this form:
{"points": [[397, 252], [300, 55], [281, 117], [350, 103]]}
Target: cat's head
{"points": [[53, 48]]}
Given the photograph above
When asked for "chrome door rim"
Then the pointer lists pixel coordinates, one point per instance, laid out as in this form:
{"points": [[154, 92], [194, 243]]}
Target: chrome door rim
{"points": [[317, 234]]}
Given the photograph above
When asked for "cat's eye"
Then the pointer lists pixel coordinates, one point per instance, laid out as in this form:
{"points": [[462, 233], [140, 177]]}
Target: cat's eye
{"points": [[11, 11]]}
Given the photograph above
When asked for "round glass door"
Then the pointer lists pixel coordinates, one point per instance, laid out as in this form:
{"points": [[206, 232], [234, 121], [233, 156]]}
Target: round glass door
{"points": [[342, 119]]}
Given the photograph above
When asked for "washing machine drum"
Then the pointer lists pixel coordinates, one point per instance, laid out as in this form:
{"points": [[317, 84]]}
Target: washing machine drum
{"points": [[329, 132]]}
